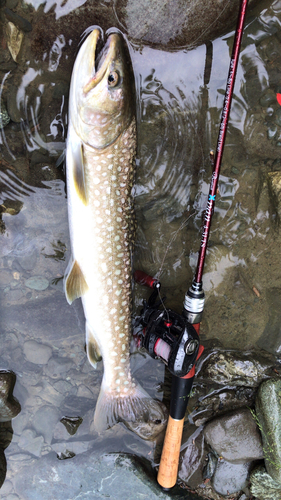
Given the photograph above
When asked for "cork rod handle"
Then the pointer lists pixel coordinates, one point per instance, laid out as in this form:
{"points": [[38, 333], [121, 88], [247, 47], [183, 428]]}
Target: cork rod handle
{"points": [[168, 469]]}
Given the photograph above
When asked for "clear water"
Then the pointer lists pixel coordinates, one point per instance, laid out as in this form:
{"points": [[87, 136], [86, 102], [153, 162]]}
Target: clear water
{"points": [[178, 119]]}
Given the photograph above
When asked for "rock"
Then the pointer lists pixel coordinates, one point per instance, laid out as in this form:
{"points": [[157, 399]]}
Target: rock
{"points": [[44, 422], [37, 353], [37, 283], [3, 468], [14, 40], [263, 486], [29, 442], [58, 367], [191, 459], [235, 437], [274, 188], [5, 277], [174, 23], [230, 478], [20, 22], [75, 447], [4, 117], [90, 475], [235, 368], [268, 413], [9, 406], [28, 261], [71, 424], [216, 401]]}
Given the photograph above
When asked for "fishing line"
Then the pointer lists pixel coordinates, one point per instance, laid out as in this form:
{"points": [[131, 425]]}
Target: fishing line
{"points": [[183, 224]]}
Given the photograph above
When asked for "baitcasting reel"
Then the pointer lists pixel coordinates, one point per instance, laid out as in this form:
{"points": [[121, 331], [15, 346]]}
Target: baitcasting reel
{"points": [[167, 335]]}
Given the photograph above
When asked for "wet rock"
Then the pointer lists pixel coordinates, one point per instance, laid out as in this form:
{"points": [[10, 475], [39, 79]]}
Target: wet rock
{"points": [[4, 116], [268, 412], [192, 459], [14, 40], [28, 261], [75, 447], [37, 353], [17, 20], [263, 486], [173, 23], [44, 422], [274, 188], [3, 468], [231, 367], [29, 442], [71, 424], [58, 367], [9, 406], [235, 437], [270, 339], [5, 277], [90, 475], [37, 283], [220, 400], [155, 424], [67, 454], [230, 478], [15, 113]]}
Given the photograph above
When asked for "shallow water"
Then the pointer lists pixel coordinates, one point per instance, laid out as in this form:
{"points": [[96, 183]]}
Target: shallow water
{"points": [[178, 119]]}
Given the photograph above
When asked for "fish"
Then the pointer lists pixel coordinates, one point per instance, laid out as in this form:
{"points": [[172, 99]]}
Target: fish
{"points": [[100, 166]]}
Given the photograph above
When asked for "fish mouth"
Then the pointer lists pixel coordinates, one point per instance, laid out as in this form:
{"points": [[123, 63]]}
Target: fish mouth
{"points": [[100, 72]]}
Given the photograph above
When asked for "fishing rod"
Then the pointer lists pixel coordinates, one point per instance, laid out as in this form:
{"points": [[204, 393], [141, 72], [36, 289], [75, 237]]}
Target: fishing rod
{"points": [[172, 337]]}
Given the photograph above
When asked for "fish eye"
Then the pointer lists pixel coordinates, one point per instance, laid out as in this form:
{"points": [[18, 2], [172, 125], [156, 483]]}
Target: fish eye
{"points": [[113, 79]]}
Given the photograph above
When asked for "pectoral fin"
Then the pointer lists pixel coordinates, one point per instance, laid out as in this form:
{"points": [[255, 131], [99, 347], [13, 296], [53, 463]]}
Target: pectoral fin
{"points": [[76, 164], [92, 347], [74, 283]]}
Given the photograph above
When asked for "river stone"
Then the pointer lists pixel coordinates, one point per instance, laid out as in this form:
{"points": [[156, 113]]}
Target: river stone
{"points": [[235, 437], [268, 411], [37, 353], [37, 283], [191, 460], [9, 406], [176, 22], [44, 422], [274, 188], [230, 478], [90, 475], [235, 368], [263, 486], [29, 442]]}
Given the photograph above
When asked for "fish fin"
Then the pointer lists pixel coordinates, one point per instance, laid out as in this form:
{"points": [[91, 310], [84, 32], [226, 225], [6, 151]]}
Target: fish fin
{"points": [[75, 284], [76, 164], [136, 407], [92, 347]]}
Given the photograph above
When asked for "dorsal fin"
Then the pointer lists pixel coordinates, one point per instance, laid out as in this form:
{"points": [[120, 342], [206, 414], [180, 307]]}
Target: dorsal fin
{"points": [[74, 284]]}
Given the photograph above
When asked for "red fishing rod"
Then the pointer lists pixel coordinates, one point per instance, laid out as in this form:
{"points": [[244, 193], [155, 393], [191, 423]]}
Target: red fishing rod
{"points": [[172, 337]]}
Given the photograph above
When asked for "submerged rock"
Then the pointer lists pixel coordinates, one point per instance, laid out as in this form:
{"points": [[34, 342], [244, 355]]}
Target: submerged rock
{"points": [[230, 478], [263, 486], [192, 459], [236, 368], [176, 23], [268, 412], [71, 424], [235, 437], [9, 406]]}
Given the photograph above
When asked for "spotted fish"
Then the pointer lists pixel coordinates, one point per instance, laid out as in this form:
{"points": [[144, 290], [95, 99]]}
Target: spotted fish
{"points": [[100, 154]]}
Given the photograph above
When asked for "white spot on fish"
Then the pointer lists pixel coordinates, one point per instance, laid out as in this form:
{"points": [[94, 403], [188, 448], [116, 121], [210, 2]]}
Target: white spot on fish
{"points": [[104, 269], [114, 353], [110, 156], [113, 177], [121, 335], [118, 219], [117, 192], [123, 347], [96, 180], [121, 318], [117, 381], [118, 292], [120, 282], [117, 238], [113, 311], [97, 193], [126, 382], [98, 167], [117, 272], [96, 203], [110, 166]]}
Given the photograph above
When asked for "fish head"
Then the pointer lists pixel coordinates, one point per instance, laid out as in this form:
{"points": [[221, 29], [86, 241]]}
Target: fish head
{"points": [[102, 90]]}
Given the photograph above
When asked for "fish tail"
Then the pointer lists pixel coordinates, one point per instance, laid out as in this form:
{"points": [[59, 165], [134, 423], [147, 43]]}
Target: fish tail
{"points": [[138, 406]]}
